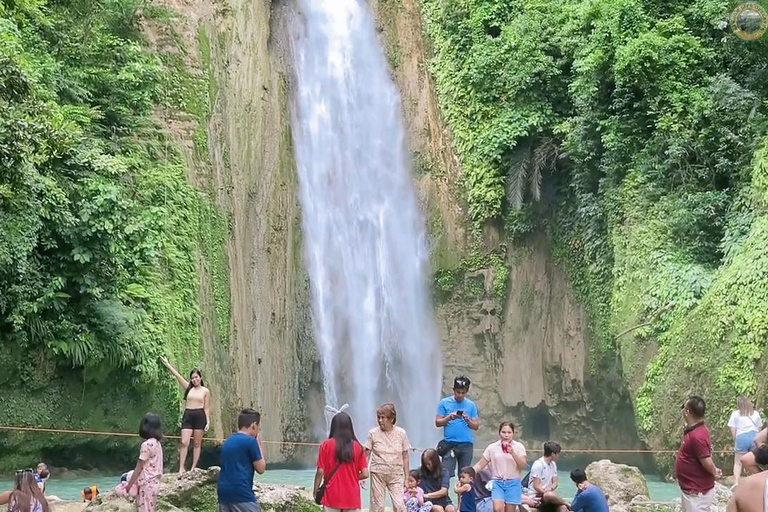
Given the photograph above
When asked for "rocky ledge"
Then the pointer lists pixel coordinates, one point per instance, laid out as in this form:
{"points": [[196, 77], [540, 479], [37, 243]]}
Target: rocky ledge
{"points": [[195, 491], [627, 490]]}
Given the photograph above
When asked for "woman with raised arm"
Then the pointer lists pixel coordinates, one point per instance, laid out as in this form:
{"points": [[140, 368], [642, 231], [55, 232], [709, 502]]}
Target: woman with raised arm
{"points": [[197, 417]]}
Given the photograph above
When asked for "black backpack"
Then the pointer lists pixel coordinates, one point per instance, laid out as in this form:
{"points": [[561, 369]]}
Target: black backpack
{"points": [[526, 480]]}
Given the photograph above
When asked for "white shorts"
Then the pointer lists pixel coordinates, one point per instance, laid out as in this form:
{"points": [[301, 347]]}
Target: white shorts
{"points": [[697, 502]]}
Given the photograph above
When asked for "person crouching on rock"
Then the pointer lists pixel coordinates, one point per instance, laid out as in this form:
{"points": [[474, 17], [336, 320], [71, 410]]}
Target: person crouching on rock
{"points": [[388, 447], [88, 493], [507, 458], [149, 468], [120, 490], [241, 455], [589, 497]]}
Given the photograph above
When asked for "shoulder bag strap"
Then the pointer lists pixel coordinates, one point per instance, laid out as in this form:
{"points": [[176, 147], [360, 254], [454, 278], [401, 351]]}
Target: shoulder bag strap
{"points": [[330, 475]]}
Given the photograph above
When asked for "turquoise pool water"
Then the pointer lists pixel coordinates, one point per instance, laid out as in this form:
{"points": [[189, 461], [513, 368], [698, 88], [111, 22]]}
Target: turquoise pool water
{"points": [[69, 488]]}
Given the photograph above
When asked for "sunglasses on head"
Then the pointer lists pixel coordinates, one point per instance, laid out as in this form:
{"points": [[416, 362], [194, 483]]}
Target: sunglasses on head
{"points": [[22, 471]]}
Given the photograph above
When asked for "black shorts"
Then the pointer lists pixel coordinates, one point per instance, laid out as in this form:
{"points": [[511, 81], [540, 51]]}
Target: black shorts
{"points": [[193, 419]]}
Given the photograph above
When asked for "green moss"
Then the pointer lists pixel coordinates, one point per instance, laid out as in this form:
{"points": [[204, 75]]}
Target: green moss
{"points": [[444, 284], [141, 227], [65, 403]]}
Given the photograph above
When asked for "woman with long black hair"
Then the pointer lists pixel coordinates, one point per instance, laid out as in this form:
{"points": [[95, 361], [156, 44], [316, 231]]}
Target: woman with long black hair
{"points": [[435, 482], [341, 464], [197, 417]]}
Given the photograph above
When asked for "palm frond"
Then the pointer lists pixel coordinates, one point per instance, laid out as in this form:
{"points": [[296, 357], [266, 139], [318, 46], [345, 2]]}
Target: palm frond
{"points": [[517, 175]]}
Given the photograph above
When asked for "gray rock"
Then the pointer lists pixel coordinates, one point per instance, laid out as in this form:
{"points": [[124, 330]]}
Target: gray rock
{"points": [[195, 491], [640, 504], [620, 483]]}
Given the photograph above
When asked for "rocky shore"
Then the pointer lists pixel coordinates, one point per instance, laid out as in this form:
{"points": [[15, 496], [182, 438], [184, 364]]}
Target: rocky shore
{"points": [[624, 486], [627, 490], [195, 491]]}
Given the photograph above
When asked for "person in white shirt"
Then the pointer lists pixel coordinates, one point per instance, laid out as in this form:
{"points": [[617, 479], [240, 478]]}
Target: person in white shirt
{"points": [[543, 480], [745, 423]]}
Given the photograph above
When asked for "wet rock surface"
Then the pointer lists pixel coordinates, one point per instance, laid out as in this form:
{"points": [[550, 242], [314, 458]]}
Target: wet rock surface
{"points": [[627, 490], [195, 491]]}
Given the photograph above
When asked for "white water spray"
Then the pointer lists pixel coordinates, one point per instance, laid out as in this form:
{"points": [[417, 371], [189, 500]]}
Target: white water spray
{"points": [[364, 235]]}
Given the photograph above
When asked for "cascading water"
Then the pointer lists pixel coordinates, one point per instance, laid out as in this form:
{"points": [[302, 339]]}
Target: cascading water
{"points": [[364, 235]]}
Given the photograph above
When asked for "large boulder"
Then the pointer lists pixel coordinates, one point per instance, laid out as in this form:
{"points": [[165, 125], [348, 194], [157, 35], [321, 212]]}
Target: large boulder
{"points": [[195, 491], [620, 483]]}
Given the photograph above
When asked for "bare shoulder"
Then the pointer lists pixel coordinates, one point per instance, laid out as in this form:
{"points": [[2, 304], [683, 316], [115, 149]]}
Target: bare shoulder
{"points": [[750, 492], [206, 391]]}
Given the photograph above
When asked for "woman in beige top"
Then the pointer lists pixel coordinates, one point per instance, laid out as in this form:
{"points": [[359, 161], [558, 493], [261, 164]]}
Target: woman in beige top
{"points": [[197, 418], [388, 447]]}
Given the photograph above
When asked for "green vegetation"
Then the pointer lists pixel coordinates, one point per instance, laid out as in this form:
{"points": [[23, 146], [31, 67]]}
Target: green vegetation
{"points": [[99, 228], [464, 282], [633, 133]]}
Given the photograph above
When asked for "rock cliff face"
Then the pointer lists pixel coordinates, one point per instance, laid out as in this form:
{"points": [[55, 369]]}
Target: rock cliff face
{"points": [[267, 359], [270, 347], [528, 352]]}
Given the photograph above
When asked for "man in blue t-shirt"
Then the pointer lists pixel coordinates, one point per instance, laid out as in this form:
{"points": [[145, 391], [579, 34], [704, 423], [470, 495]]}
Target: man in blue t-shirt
{"points": [[240, 457], [457, 415], [589, 497]]}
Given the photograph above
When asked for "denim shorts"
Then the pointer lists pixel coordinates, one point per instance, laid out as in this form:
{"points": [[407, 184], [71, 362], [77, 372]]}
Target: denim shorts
{"points": [[510, 491], [744, 442]]}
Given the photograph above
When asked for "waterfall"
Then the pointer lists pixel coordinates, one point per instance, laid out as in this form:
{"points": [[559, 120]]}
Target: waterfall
{"points": [[365, 238]]}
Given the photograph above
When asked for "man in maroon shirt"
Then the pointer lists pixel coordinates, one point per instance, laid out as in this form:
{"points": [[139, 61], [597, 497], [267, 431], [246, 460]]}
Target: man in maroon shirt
{"points": [[696, 471]]}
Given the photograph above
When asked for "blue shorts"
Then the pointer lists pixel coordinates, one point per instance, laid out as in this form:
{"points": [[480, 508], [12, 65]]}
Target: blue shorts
{"points": [[510, 491], [744, 442]]}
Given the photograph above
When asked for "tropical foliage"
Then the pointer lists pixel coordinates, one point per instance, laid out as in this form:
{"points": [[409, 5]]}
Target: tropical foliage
{"points": [[98, 226], [632, 132]]}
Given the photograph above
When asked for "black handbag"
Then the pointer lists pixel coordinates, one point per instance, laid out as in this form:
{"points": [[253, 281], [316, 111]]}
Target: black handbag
{"points": [[443, 447], [321, 490]]}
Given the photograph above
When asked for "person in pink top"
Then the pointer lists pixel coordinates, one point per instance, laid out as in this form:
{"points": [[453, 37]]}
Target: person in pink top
{"points": [[413, 496], [149, 468], [507, 458]]}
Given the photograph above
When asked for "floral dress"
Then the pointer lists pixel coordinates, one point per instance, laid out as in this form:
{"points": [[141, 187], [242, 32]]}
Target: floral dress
{"points": [[149, 479]]}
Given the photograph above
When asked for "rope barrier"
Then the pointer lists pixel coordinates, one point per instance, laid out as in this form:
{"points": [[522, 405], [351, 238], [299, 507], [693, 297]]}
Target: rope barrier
{"points": [[300, 443]]}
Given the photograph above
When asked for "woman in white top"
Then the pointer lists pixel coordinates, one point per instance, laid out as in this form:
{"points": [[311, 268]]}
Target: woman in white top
{"points": [[745, 423]]}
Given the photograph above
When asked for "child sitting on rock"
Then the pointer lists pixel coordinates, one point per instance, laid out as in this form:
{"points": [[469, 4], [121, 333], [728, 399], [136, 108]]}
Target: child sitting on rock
{"points": [[121, 489]]}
